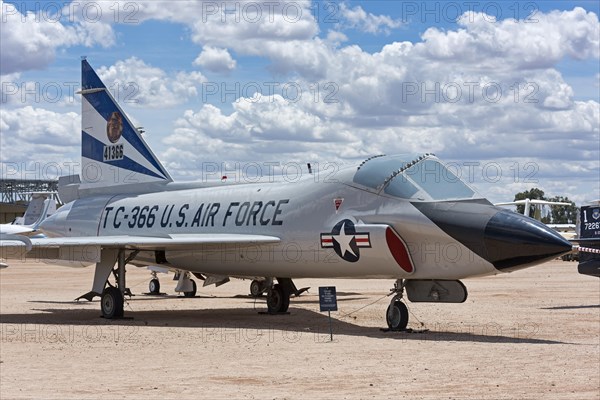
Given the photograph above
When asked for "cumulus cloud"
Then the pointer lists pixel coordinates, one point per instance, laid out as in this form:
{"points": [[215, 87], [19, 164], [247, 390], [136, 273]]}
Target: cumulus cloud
{"points": [[229, 24], [440, 95], [30, 40], [516, 44], [336, 38], [480, 91], [54, 137], [139, 84], [367, 22], [247, 27], [215, 59], [10, 88]]}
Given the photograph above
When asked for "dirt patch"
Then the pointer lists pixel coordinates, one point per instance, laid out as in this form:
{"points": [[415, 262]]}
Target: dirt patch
{"points": [[530, 334]]}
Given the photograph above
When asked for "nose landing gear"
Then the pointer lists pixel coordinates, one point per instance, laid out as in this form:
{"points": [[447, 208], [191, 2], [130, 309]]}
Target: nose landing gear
{"points": [[397, 312]]}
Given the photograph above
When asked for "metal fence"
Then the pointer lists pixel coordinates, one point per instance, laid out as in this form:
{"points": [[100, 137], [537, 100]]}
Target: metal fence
{"points": [[15, 190]]}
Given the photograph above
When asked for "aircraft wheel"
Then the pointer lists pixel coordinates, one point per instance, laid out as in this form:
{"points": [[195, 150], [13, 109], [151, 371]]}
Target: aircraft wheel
{"points": [[256, 288], [111, 303], [154, 286], [277, 301], [397, 316], [191, 293]]}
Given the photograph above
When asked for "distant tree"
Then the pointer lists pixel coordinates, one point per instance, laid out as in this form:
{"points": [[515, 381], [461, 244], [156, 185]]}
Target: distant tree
{"points": [[546, 218], [531, 194], [563, 214]]}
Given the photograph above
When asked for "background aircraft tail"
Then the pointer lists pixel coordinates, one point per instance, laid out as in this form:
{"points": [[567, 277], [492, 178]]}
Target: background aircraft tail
{"points": [[113, 153], [40, 207]]}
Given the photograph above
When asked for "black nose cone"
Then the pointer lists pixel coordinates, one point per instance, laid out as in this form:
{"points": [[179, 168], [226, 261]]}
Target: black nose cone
{"points": [[506, 239], [514, 241]]}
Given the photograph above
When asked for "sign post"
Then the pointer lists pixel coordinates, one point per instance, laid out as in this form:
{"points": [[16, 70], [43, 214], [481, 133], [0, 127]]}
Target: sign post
{"points": [[328, 302]]}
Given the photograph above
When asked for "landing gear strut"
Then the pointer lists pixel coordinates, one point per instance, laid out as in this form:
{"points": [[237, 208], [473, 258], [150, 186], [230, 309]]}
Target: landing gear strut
{"points": [[397, 312]]}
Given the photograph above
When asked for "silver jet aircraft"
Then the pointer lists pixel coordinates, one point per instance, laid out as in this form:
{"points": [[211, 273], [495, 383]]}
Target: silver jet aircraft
{"points": [[406, 218]]}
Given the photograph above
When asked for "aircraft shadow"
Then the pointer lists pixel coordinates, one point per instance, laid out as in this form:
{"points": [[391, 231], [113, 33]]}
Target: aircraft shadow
{"points": [[571, 307], [249, 299], [296, 323]]}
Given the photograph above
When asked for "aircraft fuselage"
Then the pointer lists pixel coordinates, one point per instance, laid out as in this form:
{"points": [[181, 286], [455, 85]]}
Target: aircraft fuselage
{"points": [[299, 213]]}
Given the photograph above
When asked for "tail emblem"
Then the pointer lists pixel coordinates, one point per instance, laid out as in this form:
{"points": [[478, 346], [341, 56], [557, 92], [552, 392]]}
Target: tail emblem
{"points": [[114, 127]]}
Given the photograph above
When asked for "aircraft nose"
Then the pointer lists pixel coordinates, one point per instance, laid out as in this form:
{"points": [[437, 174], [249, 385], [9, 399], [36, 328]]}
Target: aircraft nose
{"points": [[514, 241], [507, 240]]}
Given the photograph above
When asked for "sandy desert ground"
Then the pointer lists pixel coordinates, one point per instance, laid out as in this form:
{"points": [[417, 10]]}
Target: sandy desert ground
{"points": [[531, 334]]}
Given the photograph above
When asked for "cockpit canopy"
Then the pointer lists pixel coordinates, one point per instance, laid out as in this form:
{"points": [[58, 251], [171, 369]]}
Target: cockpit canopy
{"points": [[410, 176]]}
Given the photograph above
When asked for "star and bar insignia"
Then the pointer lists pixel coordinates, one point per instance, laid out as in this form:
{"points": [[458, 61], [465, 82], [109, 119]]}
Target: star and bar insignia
{"points": [[345, 241]]}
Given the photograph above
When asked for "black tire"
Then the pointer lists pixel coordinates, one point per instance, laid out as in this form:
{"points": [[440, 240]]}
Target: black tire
{"points": [[111, 303], [277, 301], [397, 316], [191, 293], [256, 288], [154, 286]]}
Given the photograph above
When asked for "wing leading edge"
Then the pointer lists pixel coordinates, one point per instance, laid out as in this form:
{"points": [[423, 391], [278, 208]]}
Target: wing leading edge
{"points": [[84, 246]]}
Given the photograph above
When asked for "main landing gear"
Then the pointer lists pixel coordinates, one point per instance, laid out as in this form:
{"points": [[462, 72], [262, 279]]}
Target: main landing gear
{"points": [[112, 303], [278, 299], [192, 292], [397, 312], [278, 296], [112, 299], [186, 285]]}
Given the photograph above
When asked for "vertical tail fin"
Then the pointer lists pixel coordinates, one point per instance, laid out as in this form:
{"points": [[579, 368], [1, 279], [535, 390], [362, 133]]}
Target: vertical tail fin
{"points": [[113, 152], [40, 207], [49, 208]]}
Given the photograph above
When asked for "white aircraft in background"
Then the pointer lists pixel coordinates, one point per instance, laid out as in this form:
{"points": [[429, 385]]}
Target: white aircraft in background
{"points": [[405, 218], [529, 202], [566, 230], [40, 207]]}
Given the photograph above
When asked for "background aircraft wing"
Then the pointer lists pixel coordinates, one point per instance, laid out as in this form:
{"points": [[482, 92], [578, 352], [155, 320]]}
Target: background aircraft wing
{"points": [[9, 229]]}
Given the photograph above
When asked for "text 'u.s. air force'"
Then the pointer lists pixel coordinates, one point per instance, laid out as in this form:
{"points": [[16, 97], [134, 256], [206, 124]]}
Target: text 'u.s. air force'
{"points": [[188, 216]]}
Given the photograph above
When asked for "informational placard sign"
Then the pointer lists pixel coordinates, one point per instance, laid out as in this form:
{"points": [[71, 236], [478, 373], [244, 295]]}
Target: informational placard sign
{"points": [[328, 302], [327, 298], [590, 222]]}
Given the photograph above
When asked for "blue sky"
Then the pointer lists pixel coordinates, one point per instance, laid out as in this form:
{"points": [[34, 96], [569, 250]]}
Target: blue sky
{"points": [[527, 113]]}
